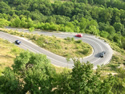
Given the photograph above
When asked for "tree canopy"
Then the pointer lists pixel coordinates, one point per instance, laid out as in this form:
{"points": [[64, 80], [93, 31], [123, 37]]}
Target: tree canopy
{"points": [[84, 16], [34, 73]]}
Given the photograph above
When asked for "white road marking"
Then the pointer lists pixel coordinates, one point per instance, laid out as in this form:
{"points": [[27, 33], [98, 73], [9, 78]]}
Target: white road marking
{"points": [[62, 63]]}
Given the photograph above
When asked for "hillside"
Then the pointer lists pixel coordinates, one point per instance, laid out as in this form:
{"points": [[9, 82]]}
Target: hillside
{"points": [[8, 52], [103, 18], [98, 18]]}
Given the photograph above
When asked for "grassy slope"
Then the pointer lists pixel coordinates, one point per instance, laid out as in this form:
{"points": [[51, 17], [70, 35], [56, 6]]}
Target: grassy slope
{"points": [[118, 58], [65, 47], [8, 52]]}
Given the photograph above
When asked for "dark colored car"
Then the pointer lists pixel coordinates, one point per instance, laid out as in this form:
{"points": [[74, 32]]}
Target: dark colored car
{"points": [[18, 42], [78, 35], [102, 54]]}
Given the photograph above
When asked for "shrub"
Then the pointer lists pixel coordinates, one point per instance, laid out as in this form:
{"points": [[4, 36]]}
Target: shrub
{"points": [[85, 51], [31, 29], [69, 39], [34, 37], [77, 47], [79, 41], [57, 46], [72, 39]]}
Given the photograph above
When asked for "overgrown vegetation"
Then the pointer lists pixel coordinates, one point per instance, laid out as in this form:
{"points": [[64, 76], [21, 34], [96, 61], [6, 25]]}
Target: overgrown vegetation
{"points": [[118, 58], [67, 47], [33, 73], [30, 63], [8, 52], [105, 18]]}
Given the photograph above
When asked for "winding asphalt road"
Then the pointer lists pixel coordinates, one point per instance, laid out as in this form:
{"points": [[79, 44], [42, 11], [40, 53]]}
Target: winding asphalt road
{"points": [[97, 45]]}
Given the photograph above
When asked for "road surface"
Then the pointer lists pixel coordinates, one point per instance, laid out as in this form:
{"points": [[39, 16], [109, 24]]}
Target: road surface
{"points": [[97, 45]]}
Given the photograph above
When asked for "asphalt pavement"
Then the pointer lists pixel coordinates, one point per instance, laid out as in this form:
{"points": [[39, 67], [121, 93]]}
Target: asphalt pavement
{"points": [[97, 45]]}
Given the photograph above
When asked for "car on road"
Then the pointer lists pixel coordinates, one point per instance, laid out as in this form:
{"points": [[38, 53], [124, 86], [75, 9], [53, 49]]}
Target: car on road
{"points": [[102, 54], [18, 42], [78, 35]]}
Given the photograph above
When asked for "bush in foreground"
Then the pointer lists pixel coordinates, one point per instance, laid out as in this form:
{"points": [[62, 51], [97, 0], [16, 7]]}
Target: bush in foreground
{"points": [[33, 73]]}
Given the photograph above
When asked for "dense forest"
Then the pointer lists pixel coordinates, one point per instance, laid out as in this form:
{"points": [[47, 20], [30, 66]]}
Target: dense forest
{"points": [[105, 18]]}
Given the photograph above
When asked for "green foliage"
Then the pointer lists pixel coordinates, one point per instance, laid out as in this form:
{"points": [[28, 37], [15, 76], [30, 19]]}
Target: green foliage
{"points": [[31, 29], [9, 83], [79, 41], [123, 42], [36, 72], [104, 34], [4, 7], [119, 85], [3, 22], [54, 44], [85, 51], [15, 50], [82, 80], [16, 22], [118, 27], [33, 73], [93, 30], [103, 18], [21, 61], [69, 39]]}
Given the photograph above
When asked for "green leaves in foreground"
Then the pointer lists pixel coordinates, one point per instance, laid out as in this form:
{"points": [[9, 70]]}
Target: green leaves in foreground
{"points": [[36, 72], [83, 80], [33, 73]]}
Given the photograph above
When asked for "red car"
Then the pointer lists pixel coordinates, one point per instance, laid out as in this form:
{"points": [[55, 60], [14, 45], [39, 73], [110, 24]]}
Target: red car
{"points": [[78, 35]]}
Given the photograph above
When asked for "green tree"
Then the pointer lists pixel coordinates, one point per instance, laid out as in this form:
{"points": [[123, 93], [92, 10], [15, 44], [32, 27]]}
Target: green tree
{"points": [[93, 30], [123, 42], [29, 23], [104, 34], [23, 21], [83, 23], [10, 83], [83, 80], [70, 24], [36, 72], [90, 1], [61, 83], [4, 8], [4, 22], [105, 15], [110, 29], [119, 85], [31, 29], [16, 22], [118, 27], [36, 15], [117, 39], [33, 73], [66, 9], [51, 19]]}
